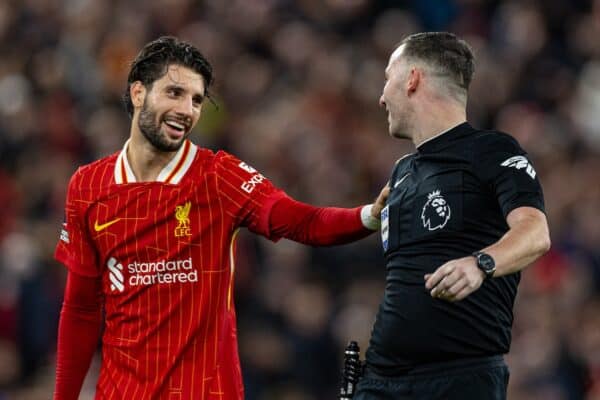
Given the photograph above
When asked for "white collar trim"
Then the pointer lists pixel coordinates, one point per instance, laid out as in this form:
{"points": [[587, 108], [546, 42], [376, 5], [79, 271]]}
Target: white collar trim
{"points": [[172, 173]]}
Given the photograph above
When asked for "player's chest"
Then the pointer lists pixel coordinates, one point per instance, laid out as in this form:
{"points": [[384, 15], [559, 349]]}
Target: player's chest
{"points": [[152, 215]]}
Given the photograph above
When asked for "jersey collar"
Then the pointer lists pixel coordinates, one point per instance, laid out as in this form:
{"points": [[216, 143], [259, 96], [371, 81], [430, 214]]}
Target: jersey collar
{"points": [[445, 138], [172, 173]]}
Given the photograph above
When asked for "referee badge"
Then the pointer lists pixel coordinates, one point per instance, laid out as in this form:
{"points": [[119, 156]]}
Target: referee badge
{"points": [[436, 211], [385, 230], [520, 163]]}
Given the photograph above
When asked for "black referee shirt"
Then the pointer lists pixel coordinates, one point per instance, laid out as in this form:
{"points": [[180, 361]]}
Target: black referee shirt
{"points": [[447, 200]]}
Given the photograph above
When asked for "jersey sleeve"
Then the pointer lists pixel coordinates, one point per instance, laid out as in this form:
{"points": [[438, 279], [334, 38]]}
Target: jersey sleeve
{"points": [[316, 226], [506, 168], [75, 248], [249, 196]]}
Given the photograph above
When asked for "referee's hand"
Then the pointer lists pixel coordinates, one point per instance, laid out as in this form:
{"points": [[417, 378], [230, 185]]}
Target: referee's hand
{"points": [[455, 280], [380, 202]]}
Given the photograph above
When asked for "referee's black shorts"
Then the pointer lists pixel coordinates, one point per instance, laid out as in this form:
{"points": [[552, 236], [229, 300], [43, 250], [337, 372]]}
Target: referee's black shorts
{"points": [[477, 378]]}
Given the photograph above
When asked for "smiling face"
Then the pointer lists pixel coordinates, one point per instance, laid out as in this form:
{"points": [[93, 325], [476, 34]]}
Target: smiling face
{"points": [[170, 107], [394, 97]]}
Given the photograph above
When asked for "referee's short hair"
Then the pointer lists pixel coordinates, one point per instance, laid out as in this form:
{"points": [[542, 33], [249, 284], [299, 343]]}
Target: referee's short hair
{"points": [[154, 59], [445, 53]]}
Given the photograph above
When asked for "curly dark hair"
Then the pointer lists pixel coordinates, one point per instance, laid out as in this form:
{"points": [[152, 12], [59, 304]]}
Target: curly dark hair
{"points": [[154, 59], [444, 51]]}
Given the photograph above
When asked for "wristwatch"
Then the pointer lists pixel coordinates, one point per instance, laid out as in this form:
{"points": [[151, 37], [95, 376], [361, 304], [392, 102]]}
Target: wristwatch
{"points": [[486, 263]]}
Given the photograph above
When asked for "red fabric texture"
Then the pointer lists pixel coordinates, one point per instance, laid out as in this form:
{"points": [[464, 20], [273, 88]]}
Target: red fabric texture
{"points": [[322, 226], [80, 323]]}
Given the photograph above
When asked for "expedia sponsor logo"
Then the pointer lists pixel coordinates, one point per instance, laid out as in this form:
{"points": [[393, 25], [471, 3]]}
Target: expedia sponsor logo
{"points": [[151, 273], [246, 167], [251, 183]]}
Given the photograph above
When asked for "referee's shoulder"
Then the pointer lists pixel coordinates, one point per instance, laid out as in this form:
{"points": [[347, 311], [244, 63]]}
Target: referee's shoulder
{"points": [[494, 140], [402, 165], [405, 158]]}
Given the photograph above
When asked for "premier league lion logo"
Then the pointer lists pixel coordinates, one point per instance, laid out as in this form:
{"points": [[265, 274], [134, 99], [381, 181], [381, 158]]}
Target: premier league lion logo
{"points": [[436, 212]]}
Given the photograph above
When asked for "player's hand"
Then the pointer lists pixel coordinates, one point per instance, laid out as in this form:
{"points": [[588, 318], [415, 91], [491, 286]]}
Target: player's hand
{"points": [[455, 280], [380, 202]]}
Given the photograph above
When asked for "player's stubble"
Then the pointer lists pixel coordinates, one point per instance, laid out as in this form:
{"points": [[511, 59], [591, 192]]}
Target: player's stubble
{"points": [[149, 125]]}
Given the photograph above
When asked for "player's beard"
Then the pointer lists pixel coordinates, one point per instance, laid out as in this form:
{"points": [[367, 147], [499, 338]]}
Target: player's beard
{"points": [[149, 125]]}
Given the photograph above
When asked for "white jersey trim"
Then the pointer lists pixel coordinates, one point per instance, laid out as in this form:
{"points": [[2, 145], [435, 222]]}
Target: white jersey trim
{"points": [[172, 173]]}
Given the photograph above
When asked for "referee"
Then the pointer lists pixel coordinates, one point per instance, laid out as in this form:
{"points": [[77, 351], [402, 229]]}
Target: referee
{"points": [[464, 216]]}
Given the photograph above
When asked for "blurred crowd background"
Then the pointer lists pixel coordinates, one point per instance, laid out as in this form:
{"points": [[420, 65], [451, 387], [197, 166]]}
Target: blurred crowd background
{"points": [[296, 96]]}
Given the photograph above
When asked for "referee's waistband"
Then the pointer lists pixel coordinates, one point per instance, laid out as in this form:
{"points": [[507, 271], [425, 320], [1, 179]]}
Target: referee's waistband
{"points": [[441, 368]]}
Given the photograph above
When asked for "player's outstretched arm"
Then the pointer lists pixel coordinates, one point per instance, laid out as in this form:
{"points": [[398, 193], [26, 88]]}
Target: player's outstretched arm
{"points": [[323, 226], [78, 334]]}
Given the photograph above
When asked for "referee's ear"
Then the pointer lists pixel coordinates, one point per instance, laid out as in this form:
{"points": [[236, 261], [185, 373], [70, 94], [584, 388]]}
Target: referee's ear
{"points": [[414, 79], [137, 91]]}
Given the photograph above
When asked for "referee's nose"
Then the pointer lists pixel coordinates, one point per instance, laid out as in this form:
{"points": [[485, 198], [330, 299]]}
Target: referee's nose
{"points": [[382, 101]]}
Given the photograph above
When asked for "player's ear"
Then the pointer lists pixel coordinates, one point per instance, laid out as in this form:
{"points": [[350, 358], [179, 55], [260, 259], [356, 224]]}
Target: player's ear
{"points": [[137, 92]]}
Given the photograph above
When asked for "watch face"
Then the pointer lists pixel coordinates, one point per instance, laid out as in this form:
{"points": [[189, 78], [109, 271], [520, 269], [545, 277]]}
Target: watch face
{"points": [[486, 262]]}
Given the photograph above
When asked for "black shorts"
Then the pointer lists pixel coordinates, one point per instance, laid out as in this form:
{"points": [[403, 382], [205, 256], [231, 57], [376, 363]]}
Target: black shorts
{"points": [[477, 379]]}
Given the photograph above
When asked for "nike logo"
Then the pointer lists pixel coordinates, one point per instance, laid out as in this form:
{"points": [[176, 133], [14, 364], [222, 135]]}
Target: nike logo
{"points": [[399, 181], [101, 227]]}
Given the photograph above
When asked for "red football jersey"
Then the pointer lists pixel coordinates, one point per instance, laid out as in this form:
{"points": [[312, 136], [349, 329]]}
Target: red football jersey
{"points": [[164, 251]]}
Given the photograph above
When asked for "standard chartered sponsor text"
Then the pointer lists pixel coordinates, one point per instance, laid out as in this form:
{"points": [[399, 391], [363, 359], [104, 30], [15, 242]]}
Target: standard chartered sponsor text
{"points": [[163, 271]]}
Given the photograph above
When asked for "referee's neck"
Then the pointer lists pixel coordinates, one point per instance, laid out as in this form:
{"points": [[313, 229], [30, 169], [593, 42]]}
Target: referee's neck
{"points": [[433, 133], [434, 116]]}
